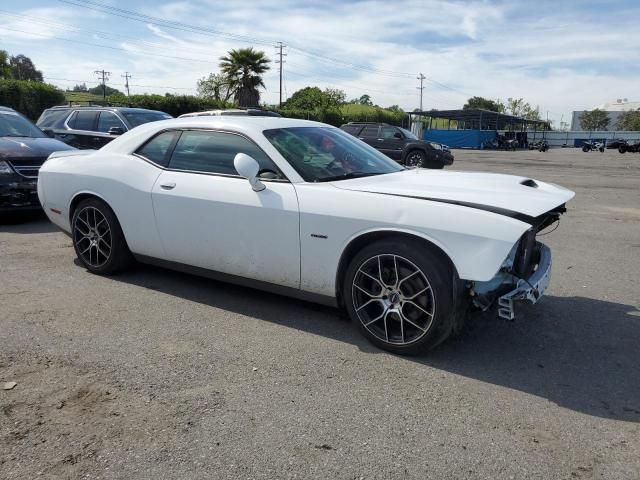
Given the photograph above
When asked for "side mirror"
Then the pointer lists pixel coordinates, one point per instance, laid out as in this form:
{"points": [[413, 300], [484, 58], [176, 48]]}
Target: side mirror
{"points": [[49, 132], [116, 131], [248, 168], [398, 135]]}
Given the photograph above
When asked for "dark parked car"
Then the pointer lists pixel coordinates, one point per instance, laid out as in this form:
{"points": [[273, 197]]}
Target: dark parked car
{"points": [[92, 127], [23, 150], [617, 143], [629, 146], [401, 145]]}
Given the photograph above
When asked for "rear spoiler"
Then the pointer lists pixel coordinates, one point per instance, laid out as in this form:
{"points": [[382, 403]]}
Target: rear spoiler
{"points": [[70, 153]]}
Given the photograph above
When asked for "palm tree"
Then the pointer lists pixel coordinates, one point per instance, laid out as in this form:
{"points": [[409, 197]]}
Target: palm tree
{"points": [[243, 67]]}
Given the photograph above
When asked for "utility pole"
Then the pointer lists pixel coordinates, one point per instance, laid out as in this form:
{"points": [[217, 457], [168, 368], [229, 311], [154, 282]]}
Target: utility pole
{"points": [[126, 77], [105, 76], [279, 47], [421, 77]]}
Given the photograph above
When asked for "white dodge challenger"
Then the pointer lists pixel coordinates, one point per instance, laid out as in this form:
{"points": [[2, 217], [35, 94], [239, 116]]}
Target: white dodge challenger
{"points": [[303, 209]]}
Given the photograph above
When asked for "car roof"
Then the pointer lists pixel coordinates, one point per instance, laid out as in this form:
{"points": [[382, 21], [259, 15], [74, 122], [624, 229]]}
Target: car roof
{"points": [[102, 107], [7, 109], [256, 112]]}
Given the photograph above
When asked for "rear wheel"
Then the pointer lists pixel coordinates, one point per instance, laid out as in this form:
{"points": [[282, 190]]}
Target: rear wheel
{"points": [[399, 293], [585, 149], [98, 239], [621, 149]]}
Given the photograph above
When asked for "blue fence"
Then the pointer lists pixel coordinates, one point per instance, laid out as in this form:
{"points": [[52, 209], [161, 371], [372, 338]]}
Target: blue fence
{"points": [[460, 138]]}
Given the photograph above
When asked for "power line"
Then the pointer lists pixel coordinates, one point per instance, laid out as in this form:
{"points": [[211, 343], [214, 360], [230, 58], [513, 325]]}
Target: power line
{"points": [[131, 15]]}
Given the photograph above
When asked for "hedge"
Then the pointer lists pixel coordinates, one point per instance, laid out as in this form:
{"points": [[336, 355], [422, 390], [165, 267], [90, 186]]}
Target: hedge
{"points": [[29, 98], [337, 117], [173, 105]]}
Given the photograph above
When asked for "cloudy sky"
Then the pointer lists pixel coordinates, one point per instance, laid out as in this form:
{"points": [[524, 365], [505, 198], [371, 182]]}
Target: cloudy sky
{"points": [[560, 55]]}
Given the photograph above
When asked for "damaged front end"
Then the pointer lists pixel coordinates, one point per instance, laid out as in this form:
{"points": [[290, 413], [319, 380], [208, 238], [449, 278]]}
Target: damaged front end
{"points": [[524, 275], [18, 192]]}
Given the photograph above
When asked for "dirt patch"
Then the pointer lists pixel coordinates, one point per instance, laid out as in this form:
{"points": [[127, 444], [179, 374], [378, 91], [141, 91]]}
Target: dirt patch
{"points": [[62, 421]]}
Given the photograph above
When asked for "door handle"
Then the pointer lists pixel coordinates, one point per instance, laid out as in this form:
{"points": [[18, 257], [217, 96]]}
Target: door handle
{"points": [[168, 186]]}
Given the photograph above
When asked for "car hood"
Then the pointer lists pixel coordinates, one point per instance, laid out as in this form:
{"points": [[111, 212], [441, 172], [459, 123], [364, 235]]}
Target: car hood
{"points": [[26, 147], [507, 193]]}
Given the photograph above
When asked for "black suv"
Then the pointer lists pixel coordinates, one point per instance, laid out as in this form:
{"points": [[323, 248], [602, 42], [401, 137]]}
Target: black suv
{"points": [[401, 145], [94, 126], [23, 150]]}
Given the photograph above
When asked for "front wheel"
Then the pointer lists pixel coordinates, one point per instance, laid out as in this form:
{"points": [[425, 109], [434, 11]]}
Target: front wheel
{"points": [[415, 159], [98, 239], [399, 293], [621, 149]]}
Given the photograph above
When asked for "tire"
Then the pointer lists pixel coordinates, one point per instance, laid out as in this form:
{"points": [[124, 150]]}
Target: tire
{"points": [[98, 239], [621, 149], [585, 149], [415, 159], [409, 312], [601, 149]]}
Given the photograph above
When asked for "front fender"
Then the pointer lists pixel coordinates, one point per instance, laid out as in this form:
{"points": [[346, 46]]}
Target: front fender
{"points": [[476, 241]]}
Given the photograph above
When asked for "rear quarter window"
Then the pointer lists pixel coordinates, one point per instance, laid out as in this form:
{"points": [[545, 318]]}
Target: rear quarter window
{"points": [[52, 118]]}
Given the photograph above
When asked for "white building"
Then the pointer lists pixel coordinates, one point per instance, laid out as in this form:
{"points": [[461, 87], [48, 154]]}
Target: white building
{"points": [[613, 109]]}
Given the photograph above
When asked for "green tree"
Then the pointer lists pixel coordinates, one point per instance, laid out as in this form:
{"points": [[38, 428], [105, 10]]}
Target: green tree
{"points": [[5, 68], [365, 100], [629, 120], [484, 104], [595, 119], [22, 68], [216, 86], [519, 108], [312, 98], [395, 108], [243, 69], [80, 88], [108, 90]]}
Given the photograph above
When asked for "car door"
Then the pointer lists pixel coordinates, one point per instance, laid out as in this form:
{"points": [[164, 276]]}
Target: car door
{"points": [[369, 134], [210, 217], [391, 141]]}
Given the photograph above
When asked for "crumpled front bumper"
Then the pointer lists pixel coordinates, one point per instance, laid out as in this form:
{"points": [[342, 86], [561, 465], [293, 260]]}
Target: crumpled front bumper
{"points": [[18, 196], [530, 289]]}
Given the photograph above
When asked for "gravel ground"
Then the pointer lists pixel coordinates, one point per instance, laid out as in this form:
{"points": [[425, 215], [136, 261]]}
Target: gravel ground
{"points": [[156, 374]]}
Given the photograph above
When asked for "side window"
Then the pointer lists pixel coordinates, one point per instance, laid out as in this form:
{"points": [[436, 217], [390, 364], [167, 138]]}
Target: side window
{"points": [[204, 151], [352, 129], [389, 132], [158, 148], [85, 120], [106, 120], [370, 131], [72, 120]]}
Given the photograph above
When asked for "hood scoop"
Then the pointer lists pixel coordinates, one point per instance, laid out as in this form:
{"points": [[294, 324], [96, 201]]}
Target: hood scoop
{"points": [[529, 183]]}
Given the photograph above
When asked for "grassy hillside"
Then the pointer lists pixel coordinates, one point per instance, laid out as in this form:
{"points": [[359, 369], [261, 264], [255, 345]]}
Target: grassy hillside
{"points": [[82, 97]]}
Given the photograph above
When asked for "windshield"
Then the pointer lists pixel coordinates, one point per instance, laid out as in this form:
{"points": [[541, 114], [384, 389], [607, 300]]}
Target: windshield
{"points": [[138, 118], [322, 154], [409, 134], [13, 125]]}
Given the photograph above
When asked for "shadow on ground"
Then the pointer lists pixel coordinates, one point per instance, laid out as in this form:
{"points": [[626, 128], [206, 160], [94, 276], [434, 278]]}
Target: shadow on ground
{"points": [[580, 353], [26, 223]]}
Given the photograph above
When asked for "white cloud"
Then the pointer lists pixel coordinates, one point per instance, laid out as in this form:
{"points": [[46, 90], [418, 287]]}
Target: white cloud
{"points": [[560, 57]]}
